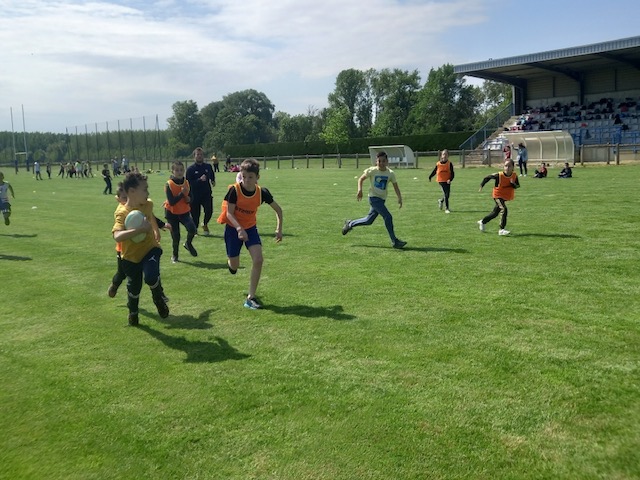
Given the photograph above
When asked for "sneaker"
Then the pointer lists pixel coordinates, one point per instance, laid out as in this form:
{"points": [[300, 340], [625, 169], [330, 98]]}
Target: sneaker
{"points": [[161, 305], [205, 231], [481, 225], [133, 319], [447, 211], [252, 303], [112, 290], [191, 248], [399, 243], [346, 228], [440, 203], [502, 231], [174, 259]]}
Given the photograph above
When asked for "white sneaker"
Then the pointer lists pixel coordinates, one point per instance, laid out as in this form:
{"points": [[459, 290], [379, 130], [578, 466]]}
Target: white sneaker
{"points": [[502, 231], [481, 225], [440, 204], [447, 211]]}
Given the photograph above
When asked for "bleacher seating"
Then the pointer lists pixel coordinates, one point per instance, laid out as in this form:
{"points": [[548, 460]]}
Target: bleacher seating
{"points": [[605, 121]]}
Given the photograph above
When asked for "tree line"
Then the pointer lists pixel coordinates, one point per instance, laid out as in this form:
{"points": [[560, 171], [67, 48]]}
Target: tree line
{"points": [[371, 103]]}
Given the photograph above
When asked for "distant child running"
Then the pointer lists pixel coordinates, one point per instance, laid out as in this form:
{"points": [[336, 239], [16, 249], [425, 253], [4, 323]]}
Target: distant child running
{"points": [[139, 260], [504, 190], [5, 206], [380, 177], [119, 276], [443, 171], [239, 210], [178, 210]]}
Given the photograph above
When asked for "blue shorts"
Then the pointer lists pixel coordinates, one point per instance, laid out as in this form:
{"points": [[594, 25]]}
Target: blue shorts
{"points": [[234, 244], [5, 206]]}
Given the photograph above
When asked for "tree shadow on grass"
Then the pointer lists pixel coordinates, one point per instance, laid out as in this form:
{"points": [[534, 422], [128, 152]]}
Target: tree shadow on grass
{"points": [[19, 235], [335, 312], [198, 352], [545, 235], [14, 257]]}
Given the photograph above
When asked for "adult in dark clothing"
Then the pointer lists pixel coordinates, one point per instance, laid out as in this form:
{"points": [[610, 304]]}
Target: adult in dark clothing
{"points": [[201, 178]]}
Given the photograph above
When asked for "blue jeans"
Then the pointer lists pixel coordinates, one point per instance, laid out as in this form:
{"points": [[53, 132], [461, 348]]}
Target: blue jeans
{"points": [[377, 208]]}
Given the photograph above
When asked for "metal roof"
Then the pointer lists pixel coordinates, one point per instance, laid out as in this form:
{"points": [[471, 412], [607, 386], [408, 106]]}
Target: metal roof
{"points": [[573, 62]]}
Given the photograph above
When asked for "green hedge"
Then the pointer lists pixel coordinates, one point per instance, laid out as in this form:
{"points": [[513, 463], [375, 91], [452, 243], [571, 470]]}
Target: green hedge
{"points": [[418, 143]]}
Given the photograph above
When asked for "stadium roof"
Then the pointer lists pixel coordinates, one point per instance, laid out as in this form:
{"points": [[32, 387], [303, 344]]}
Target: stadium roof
{"points": [[572, 62]]}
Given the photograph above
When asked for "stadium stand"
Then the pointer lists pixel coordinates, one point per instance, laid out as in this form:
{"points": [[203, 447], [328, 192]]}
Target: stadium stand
{"points": [[591, 92]]}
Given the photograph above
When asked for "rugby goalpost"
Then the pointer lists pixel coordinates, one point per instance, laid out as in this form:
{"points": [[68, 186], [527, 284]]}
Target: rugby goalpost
{"points": [[399, 155]]}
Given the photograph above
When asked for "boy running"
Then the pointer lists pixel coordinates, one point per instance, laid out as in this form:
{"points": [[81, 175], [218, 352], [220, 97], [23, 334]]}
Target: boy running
{"points": [[380, 176], [504, 190], [140, 259], [178, 210], [443, 171], [239, 210]]}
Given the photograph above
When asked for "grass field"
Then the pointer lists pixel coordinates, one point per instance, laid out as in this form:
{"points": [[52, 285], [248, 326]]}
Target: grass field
{"points": [[467, 355]]}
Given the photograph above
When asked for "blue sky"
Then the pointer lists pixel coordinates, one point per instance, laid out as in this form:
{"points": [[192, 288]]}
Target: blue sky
{"points": [[73, 63]]}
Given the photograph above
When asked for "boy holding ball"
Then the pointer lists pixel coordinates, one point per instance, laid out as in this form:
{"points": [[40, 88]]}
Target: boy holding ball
{"points": [[139, 259]]}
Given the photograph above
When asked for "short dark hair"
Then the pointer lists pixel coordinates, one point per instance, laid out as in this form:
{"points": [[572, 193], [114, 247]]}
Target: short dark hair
{"points": [[250, 165], [381, 153], [132, 180]]}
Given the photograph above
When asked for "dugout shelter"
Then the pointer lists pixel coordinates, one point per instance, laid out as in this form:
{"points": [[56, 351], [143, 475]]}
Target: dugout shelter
{"points": [[398, 155]]}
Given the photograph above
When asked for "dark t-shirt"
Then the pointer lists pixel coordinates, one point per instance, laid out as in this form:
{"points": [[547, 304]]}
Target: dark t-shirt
{"points": [[194, 172]]}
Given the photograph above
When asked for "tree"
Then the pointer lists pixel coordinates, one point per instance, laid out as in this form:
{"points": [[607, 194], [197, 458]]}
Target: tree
{"points": [[495, 97], [240, 118], [336, 127], [352, 93], [445, 103], [395, 93], [186, 124]]}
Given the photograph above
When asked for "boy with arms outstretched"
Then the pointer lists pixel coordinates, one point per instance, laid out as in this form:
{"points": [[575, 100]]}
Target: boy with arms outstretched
{"points": [[505, 184], [139, 259], [239, 210]]}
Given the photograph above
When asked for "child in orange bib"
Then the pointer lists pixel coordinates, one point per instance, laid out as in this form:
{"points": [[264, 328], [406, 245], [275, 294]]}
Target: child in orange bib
{"points": [[239, 210], [505, 184]]}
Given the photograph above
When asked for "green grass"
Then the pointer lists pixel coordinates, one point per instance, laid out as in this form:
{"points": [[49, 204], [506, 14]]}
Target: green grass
{"points": [[466, 355]]}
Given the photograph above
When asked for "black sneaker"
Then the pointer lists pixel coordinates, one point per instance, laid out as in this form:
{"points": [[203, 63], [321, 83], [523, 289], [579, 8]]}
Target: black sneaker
{"points": [[161, 305], [399, 243], [191, 249], [346, 228], [113, 290], [133, 319]]}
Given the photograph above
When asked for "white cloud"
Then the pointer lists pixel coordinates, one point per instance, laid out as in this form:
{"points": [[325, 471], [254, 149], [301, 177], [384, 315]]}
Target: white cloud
{"points": [[75, 62]]}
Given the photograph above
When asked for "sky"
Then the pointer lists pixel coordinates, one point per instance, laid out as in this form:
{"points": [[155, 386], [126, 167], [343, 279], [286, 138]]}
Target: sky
{"points": [[75, 64]]}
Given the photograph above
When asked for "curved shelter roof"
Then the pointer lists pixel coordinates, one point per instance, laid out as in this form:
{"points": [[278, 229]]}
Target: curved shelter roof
{"points": [[573, 62]]}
